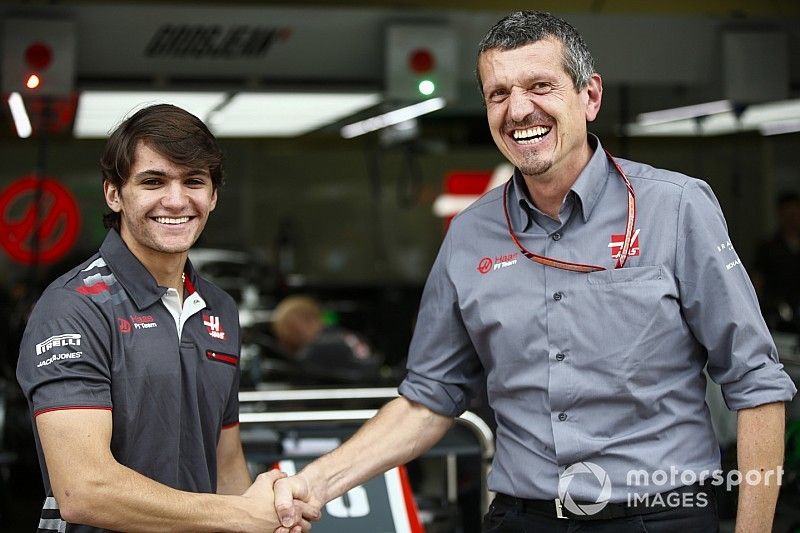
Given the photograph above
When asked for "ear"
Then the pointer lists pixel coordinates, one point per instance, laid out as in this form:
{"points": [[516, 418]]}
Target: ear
{"points": [[112, 196], [594, 94], [213, 203]]}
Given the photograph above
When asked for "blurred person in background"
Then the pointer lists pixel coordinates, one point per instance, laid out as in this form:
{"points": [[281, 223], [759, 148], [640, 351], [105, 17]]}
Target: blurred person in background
{"points": [[322, 353]]}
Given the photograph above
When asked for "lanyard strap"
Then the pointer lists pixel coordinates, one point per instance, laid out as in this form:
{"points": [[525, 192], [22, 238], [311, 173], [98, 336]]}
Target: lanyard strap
{"points": [[580, 267]]}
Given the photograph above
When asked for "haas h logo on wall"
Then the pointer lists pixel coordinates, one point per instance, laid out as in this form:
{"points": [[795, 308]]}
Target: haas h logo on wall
{"points": [[213, 326]]}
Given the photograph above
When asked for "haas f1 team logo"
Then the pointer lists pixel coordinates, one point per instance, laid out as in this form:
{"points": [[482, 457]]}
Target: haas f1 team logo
{"points": [[618, 240], [487, 264], [213, 326]]}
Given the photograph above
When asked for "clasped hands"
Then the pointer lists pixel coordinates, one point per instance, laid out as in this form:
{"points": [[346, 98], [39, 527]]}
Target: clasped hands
{"points": [[291, 504]]}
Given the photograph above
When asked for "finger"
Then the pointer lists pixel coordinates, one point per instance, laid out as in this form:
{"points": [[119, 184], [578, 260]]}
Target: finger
{"points": [[305, 526], [307, 511], [285, 491], [275, 474]]}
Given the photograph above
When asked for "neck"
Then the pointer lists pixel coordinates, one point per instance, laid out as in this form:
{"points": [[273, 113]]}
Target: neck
{"points": [[548, 190]]}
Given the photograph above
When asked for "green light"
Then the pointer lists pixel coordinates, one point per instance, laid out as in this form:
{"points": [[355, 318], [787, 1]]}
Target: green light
{"points": [[426, 87]]}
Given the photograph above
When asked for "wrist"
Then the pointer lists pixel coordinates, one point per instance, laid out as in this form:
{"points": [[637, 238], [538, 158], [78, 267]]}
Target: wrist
{"points": [[317, 486]]}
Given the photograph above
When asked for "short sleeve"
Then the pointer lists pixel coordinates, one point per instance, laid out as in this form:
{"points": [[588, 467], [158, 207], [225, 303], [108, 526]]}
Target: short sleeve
{"points": [[720, 306], [444, 371], [64, 358]]}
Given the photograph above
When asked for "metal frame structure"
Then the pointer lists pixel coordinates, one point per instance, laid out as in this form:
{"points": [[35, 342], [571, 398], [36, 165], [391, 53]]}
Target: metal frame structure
{"points": [[476, 426]]}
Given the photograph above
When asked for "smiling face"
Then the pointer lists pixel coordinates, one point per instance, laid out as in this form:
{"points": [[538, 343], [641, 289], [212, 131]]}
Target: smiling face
{"points": [[163, 206], [536, 116]]}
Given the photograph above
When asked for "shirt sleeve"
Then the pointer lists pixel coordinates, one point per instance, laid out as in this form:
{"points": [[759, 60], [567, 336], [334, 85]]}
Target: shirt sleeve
{"points": [[443, 368], [64, 359], [721, 308]]}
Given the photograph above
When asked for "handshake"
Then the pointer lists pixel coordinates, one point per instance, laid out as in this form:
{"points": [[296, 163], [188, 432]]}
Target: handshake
{"points": [[282, 504]]}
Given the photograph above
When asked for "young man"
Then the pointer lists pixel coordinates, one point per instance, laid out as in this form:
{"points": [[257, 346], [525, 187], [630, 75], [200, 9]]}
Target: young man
{"points": [[130, 360], [593, 311]]}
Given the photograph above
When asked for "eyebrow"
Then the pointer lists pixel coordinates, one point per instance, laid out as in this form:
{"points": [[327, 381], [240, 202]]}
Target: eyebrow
{"points": [[160, 173]]}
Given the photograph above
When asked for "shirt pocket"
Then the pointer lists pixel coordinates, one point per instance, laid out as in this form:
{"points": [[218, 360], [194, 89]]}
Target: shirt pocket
{"points": [[641, 274]]}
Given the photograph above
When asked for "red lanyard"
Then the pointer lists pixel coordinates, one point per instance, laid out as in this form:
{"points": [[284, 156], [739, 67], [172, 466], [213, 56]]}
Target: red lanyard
{"points": [[579, 267]]}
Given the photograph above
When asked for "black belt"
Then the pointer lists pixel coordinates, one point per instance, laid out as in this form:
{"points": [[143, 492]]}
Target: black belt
{"points": [[654, 503]]}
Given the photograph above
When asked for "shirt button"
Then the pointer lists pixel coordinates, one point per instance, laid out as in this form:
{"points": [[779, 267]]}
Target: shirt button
{"points": [[560, 356], [562, 416], [557, 296], [556, 236]]}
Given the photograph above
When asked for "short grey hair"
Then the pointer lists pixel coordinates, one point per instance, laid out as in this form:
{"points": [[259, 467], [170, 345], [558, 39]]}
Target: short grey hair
{"points": [[526, 27]]}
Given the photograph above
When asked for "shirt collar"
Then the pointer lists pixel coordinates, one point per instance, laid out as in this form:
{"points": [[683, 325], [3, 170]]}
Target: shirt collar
{"points": [[587, 187], [137, 281]]}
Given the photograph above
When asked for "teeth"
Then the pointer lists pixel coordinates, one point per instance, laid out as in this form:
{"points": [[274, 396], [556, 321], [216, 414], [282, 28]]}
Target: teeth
{"points": [[170, 220], [530, 135]]}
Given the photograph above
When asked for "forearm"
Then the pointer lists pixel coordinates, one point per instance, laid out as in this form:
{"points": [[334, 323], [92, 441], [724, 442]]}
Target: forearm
{"points": [[760, 449], [232, 474], [120, 499], [401, 431]]}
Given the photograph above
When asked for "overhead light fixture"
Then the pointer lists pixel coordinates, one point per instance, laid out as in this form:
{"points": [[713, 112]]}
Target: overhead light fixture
{"points": [[392, 117], [770, 116], [21, 121], [99, 112], [285, 114], [780, 127], [685, 112]]}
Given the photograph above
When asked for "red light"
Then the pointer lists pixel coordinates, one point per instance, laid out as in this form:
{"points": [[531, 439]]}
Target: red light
{"points": [[421, 61], [38, 56], [32, 82]]}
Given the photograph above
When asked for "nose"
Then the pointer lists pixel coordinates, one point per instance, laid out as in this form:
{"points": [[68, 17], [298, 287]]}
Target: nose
{"points": [[520, 105], [174, 196]]}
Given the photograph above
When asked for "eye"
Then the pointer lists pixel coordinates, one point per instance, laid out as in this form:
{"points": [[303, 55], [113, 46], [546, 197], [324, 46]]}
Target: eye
{"points": [[497, 95], [151, 182], [541, 87], [197, 182]]}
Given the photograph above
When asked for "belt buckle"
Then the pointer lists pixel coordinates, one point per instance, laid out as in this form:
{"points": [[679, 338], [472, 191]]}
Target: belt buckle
{"points": [[559, 513]]}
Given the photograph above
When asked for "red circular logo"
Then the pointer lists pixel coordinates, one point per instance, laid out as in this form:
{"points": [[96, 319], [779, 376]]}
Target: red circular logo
{"points": [[58, 220], [485, 265]]}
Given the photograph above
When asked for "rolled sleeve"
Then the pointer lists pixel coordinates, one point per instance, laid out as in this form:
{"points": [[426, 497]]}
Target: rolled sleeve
{"points": [[721, 307], [443, 368], [64, 359]]}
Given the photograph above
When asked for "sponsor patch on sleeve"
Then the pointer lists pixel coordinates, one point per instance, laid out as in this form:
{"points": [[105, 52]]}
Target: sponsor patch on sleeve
{"points": [[64, 344]]}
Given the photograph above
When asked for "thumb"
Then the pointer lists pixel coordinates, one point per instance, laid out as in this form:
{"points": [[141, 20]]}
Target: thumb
{"points": [[286, 490]]}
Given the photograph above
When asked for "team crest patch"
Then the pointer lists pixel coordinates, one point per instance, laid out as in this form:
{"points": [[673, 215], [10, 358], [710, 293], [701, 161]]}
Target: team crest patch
{"points": [[213, 326], [617, 242]]}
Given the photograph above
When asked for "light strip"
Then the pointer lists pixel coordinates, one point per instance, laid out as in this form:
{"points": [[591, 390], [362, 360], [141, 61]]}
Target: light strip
{"points": [[770, 118], [21, 121], [780, 127], [392, 117], [685, 112]]}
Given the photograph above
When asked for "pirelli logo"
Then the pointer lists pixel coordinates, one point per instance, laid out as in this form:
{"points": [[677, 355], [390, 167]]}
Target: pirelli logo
{"points": [[66, 339]]}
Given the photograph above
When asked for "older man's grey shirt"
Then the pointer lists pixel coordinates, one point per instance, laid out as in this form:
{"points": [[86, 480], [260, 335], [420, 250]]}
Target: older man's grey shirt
{"points": [[605, 367]]}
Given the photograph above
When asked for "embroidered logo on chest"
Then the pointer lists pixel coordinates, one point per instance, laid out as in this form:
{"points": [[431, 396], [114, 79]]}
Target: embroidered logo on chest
{"points": [[618, 240], [488, 264], [213, 326]]}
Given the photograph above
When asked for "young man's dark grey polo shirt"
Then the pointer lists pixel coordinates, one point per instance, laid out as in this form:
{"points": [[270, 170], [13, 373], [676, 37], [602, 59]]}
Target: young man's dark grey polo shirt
{"points": [[100, 337], [605, 367]]}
